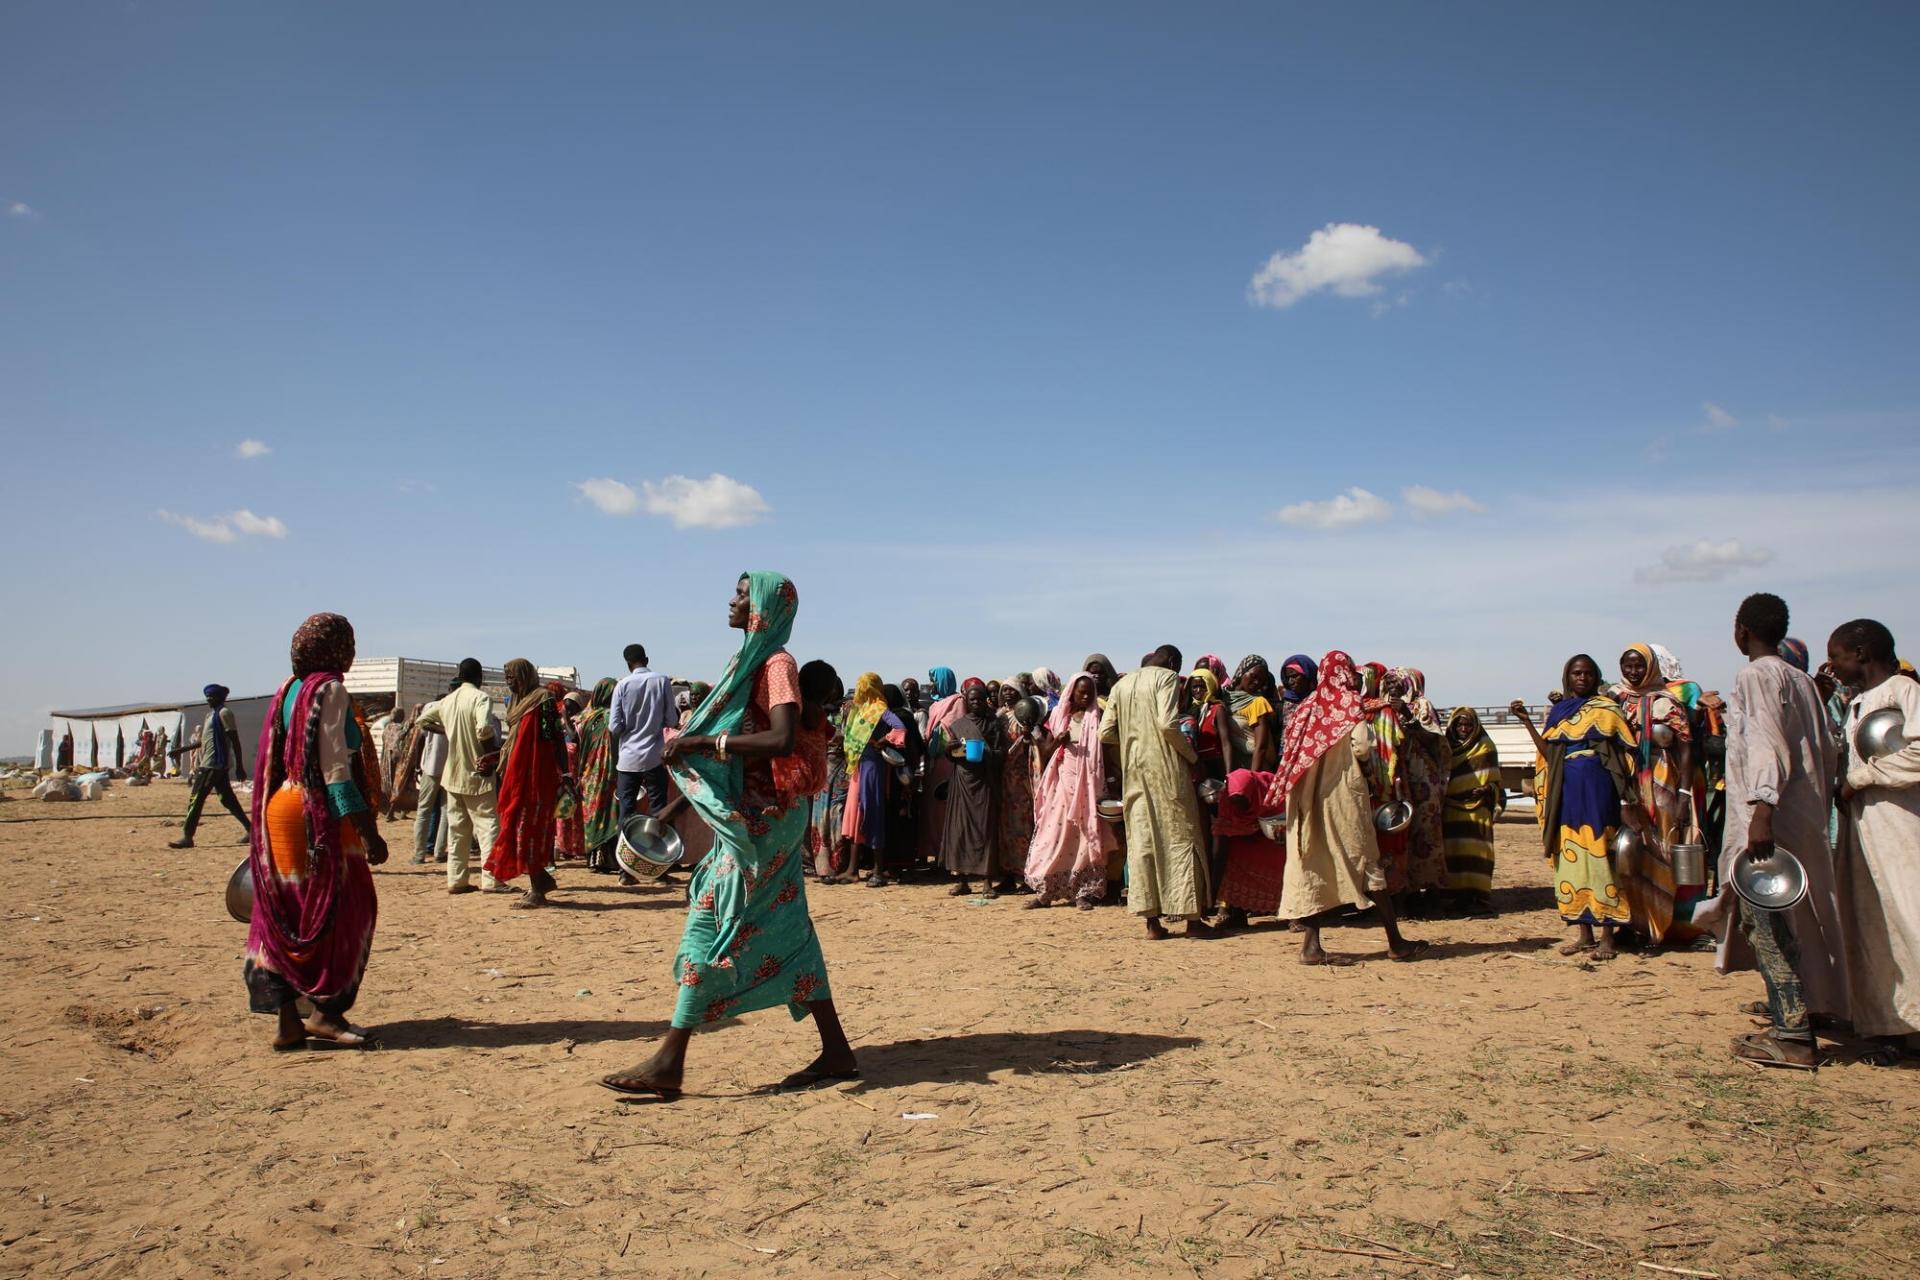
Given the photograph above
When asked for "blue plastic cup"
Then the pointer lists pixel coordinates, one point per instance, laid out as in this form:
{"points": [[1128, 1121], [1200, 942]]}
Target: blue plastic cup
{"points": [[976, 750]]}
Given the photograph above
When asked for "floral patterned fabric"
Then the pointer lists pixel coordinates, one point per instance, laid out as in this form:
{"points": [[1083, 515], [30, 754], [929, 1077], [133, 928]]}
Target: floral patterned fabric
{"points": [[749, 941], [1321, 721]]}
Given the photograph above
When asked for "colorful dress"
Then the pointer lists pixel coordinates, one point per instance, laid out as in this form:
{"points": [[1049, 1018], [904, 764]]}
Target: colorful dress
{"points": [[569, 828], [1581, 778], [1256, 866], [1470, 810], [1067, 859], [314, 906], [749, 941], [599, 817], [529, 792], [1016, 796], [1656, 898]]}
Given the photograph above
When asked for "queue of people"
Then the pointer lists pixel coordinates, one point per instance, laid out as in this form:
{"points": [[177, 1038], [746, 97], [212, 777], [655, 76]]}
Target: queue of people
{"points": [[1202, 799]]}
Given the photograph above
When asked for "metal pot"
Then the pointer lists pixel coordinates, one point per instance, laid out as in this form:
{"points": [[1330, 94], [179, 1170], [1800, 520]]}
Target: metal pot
{"points": [[1110, 810], [1880, 733], [1210, 790], [1776, 881], [1689, 859], [648, 848], [1627, 849], [1393, 817], [240, 892], [1030, 711], [1662, 735]]}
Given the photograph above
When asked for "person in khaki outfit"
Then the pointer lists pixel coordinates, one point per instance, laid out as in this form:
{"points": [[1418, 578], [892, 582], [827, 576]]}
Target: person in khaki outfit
{"points": [[465, 716]]}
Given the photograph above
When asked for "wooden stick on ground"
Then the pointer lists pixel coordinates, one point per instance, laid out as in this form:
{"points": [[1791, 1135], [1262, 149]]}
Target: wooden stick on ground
{"points": [[1407, 1258], [1679, 1271]]}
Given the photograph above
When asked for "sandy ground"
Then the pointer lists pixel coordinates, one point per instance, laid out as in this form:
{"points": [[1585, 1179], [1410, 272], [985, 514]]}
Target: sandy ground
{"points": [[1099, 1105]]}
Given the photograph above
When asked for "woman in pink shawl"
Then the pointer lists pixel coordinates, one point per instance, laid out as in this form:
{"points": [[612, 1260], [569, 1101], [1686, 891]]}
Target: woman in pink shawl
{"points": [[1068, 859]]}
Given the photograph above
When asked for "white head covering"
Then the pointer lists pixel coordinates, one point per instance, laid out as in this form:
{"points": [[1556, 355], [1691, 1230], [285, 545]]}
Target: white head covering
{"points": [[1670, 667]]}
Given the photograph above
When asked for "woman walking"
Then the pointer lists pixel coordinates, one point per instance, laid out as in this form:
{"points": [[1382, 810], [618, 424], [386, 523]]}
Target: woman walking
{"points": [[313, 839], [1584, 767], [749, 942], [1067, 861], [1474, 800], [530, 784]]}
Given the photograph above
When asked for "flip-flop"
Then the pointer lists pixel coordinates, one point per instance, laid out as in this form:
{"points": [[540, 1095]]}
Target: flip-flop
{"points": [[1415, 949], [618, 1085], [1328, 962], [298, 1046], [1763, 1049], [363, 1039]]}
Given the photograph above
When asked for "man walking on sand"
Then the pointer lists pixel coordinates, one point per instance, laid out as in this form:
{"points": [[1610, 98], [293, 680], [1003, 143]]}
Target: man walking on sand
{"points": [[1166, 853], [465, 715], [219, 767]]}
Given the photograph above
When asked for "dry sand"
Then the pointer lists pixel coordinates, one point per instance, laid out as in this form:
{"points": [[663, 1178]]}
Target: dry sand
{"points": [[1101, 1105]]}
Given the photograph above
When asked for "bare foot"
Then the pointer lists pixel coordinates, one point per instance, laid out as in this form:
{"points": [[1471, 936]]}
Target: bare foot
{"points": [[1034, 903], [338, 1031], [528, 901], [1603, 950], [1578, 945], [649, 1077], [1201, 929], [1156, 930]]}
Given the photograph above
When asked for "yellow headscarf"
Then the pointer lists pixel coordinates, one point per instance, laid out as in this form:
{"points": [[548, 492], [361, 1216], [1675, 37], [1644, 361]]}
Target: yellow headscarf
{"points": [[1212, 683], [869, 704]]}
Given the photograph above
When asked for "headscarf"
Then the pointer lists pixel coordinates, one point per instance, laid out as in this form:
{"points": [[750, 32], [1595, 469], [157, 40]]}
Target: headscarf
{"points": [[1213, 663], [1239, 696], [863, 717], [972, 682], [1669, 665], [1305, 666], [1062, 717], [1206, 677], [1476, 763], [218, 692], [942, 682], [523, 682], [1795, 652], [1044, 678], [324, 642], [1415, 681], [1653, 681], [1320, 722], [1251, 662]]}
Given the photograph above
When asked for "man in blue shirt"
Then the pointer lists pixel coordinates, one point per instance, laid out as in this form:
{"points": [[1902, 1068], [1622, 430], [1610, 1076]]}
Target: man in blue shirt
{"points": [[643, 709]]}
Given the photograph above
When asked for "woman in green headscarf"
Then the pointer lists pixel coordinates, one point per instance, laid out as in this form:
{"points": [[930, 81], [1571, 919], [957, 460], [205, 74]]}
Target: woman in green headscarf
{"points": [[749, 942], [599, 815]]}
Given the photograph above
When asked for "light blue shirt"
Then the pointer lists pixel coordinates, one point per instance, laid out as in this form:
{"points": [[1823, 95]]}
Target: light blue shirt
{"points": [[643, 707]]}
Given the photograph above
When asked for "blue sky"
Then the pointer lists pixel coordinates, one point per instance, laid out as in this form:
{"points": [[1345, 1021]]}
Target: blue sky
{"points": [[1013, 319]]}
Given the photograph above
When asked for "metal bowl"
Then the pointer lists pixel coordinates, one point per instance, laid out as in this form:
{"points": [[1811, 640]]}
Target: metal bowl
{"points": [[893, 756], [1393, 817], [1274, 827], [1111, 810], [1880, 733], [1626, 848], [648, 848], [1774, 882], [1210, 791], [1662, 735], [240, 892], [1030, 711]]}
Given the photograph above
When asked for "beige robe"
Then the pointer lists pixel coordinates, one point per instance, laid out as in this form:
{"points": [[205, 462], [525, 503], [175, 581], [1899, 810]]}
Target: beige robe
{"points": [[1166, 852], [1780, 750], [1880, 871], [1333, 852]]}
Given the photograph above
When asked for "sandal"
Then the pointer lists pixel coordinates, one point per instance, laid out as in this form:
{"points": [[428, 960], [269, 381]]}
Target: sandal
{"points": [[808, 1077], [628, 1087], [960, 890], [1415, 949], [1765, 1049]]}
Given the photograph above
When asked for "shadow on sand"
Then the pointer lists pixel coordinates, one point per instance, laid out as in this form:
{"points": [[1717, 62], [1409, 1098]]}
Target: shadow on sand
{"points": [[972, 1058], [468, 1033]]}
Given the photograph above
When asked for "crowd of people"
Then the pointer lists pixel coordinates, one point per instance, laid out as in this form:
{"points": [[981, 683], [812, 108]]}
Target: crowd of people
{"points": [[1199, 796]]}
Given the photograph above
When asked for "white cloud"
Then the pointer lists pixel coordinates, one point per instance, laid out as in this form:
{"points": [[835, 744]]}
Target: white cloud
{"points": [[258, 526], [718, 502], [211, 530], [1343, 257], [1718, 419], [1431, 502], [1348, 510], [252, 449], [229, 527], [1703, 561], [1778, 423], [19, 209], [610, 496]]}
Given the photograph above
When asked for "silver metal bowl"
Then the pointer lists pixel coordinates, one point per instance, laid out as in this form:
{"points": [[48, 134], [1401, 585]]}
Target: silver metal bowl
{"points": [[1774, 882], [1627, 848], [1393, 817], [240, 892], [1210, 791], [893, 756], [1274, 827], [1111, 810], [648, 848], [1030, 711], [1880, 733], [1662, 735]]}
